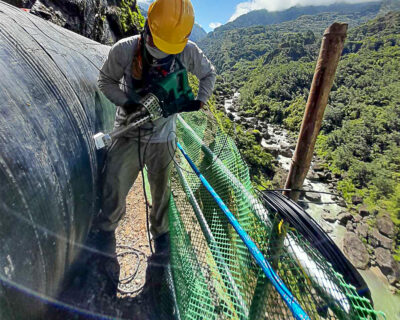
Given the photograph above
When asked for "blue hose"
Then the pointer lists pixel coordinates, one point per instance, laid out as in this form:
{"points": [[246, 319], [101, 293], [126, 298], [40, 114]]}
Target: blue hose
{"points": [[286, 295]]}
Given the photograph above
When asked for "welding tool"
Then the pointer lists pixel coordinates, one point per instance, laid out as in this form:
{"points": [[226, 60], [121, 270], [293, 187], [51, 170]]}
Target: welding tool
{"points": [[168, 95]]}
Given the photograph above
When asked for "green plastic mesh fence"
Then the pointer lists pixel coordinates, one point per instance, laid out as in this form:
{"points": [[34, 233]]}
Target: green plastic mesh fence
{"points": [[212, 273]]}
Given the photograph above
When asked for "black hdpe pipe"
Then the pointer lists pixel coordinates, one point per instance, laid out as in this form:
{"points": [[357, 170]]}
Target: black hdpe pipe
{"points": [[50, 107], [298, 218]]}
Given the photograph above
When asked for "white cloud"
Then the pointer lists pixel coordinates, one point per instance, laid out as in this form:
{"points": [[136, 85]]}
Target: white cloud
{"points": [[277, 5], [214, 25]]}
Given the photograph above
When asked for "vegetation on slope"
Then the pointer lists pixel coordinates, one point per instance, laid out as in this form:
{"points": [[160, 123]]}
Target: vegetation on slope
{"points": [[236, 51], [360, 138], [264, 17]]}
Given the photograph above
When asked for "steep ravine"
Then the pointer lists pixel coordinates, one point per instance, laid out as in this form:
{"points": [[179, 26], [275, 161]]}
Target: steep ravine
{"points": [[327, 209]]}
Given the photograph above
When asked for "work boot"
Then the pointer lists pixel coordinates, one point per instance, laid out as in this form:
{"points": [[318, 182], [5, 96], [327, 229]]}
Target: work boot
{"points": [[103, 259], [104, 242], [161, 244], [156, 271]]}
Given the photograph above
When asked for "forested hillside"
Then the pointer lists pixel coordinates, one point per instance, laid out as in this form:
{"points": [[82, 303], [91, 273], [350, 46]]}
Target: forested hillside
{"points": [[360, 138], [236, 51], [361, 130], [265, 17]]}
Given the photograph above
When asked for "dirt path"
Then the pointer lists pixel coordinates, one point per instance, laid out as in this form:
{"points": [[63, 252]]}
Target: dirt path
{"points": [[92, 294]]}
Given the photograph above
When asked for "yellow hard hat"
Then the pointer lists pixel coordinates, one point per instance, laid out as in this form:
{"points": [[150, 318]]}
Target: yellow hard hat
{"points": [[170, 23]]}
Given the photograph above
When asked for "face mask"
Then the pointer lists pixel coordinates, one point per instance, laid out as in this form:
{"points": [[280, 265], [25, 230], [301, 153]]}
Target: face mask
{"points": [[155, 53]]}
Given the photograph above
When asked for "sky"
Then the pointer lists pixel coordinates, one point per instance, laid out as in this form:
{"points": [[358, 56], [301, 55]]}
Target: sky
{"points": [[212, 13]]}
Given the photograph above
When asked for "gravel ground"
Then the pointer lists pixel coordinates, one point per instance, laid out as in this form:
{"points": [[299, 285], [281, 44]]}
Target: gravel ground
{"points": [[92, 294]]}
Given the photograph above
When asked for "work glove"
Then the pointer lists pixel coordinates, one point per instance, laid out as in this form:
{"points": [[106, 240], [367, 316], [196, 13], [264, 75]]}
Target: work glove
{"points": [[181, 106], [131, 106]]}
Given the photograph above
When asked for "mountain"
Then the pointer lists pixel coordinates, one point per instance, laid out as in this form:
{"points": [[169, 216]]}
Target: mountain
{"points": [[234, 51], [389, 5], [265, 17], [143, 8], [198, 33]]}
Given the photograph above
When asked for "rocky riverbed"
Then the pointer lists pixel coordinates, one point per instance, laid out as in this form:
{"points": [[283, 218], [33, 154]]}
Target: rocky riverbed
{"points": [[365, 238]]}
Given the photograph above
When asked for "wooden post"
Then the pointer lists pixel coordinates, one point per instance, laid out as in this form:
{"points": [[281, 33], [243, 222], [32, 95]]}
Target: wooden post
{"points": [[331, 50]]}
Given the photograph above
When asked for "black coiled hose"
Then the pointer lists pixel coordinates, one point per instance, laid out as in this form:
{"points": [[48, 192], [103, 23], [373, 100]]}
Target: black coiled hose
{"points": [[298, 218]]}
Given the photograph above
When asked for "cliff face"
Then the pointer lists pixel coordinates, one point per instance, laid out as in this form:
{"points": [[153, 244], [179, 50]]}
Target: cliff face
{"points": [[105, 21]]}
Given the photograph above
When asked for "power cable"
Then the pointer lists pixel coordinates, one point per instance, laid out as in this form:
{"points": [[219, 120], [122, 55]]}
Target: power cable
{"points": [[145, 194], [129, 250]]}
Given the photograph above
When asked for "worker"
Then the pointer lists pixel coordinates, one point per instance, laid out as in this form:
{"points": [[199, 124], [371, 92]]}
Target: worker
{"points": [[132, 64]]}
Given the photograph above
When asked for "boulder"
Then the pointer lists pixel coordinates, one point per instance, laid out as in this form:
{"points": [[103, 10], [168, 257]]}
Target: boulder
{"points": [[312, 176], [385, 225], [357, 218], [362, 230], [344, 217], [274, 150], [327, 228], [342, 203], [328, 175], [363, 211], [356, 200], [286, 151], [355, 250], [329, 216], [313, 197], [317, 167], [388, 265], [321, 176], [378, 240], [349, 226], [251, 120], [266, 135], [304, 205]]}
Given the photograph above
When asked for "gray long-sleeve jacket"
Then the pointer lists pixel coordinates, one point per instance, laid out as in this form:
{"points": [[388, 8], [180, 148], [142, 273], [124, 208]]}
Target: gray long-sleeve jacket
{"points": [[115, 81]]}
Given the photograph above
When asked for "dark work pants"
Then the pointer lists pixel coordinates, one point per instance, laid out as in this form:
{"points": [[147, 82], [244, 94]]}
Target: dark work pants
{"points": [[121, 170]]}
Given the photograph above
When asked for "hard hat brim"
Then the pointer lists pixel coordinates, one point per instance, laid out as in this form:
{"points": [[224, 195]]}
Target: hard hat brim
{"points": [[170, 48]]}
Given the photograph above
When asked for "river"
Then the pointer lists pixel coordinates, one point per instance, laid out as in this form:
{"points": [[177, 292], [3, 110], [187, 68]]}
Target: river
{"points": [[279, 139]]}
